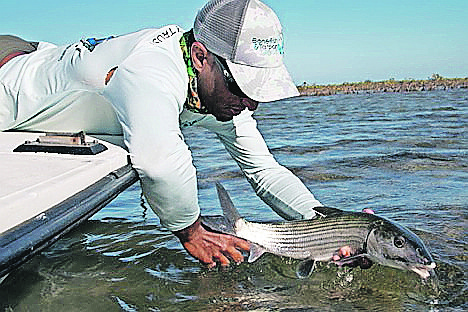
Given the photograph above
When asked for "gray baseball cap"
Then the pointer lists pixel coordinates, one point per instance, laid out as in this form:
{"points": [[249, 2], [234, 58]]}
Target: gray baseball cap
{"points": [[248, 34]]}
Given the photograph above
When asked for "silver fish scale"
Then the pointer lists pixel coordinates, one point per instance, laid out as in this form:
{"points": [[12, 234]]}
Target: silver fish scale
{"points": [[317, 239]]}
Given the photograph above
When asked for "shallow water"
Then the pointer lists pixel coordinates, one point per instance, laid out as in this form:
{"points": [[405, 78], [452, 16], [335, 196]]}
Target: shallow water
{"points": [[403, 155]]}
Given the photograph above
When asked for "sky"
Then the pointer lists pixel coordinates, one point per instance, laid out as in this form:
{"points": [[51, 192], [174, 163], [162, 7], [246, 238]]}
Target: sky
{"points": [[325, 41]]}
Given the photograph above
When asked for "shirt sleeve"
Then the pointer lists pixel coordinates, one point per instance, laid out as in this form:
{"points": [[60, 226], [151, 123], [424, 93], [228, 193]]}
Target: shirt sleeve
{"points": [[274, 184], [147, 91]]}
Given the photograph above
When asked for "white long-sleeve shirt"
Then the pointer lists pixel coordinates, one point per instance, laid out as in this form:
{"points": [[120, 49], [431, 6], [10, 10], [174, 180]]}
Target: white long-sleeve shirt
{"points": [[63, 88]]}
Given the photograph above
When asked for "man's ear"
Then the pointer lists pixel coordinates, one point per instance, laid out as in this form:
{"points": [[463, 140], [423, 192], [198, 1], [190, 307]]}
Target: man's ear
{"points": [[198, 54]]}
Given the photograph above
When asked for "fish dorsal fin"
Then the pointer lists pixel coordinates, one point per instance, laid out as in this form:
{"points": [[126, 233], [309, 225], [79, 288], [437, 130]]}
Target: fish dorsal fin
{"points": [[305, 268], [256, 251], [327, 211], [229, 211]]}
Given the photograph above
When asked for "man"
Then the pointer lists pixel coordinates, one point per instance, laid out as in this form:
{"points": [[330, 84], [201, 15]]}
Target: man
{"points": [[146, 86]]}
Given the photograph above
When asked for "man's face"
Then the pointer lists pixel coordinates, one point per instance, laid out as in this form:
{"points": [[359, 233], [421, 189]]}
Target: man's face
{"points": [[215, 94]]}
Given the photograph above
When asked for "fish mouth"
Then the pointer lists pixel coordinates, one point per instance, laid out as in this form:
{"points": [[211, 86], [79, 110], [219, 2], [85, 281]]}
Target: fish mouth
{"points": [[423, 270]]}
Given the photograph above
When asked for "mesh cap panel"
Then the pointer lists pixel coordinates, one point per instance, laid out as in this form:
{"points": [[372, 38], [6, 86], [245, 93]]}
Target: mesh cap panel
{"points": [[218, 24]]}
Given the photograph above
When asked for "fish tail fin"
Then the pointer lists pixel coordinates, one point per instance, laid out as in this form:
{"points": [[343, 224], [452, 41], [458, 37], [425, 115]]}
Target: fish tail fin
{"points": [[229, 211], [232, 216]]}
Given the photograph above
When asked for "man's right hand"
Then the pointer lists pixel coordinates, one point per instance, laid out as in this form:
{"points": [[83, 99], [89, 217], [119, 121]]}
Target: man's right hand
{"points": [[211, 248]]}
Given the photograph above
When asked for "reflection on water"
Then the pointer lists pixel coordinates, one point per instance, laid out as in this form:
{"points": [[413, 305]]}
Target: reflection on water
{"points": [[402, 155]]}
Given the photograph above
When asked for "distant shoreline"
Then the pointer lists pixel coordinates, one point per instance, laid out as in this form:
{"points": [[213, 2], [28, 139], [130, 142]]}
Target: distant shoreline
{"points": [[436, 83]]}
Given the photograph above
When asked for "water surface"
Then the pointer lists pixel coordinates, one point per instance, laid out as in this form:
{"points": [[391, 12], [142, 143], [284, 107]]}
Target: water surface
{"points": [[403, 155]]}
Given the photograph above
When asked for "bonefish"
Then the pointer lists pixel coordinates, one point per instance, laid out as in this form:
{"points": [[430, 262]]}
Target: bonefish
{"points": [[370, 238]]}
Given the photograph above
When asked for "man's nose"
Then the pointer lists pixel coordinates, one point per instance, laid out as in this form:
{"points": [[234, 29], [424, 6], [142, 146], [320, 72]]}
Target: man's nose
{"points": [[249, 103]]}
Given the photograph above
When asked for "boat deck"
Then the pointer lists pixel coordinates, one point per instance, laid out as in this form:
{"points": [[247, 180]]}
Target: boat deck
{"points": [[44, 195]]}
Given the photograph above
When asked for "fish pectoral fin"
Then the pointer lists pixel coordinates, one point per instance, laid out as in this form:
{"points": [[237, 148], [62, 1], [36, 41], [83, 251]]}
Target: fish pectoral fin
{"points": [[256, 251], [305, 268], [362, 260], [348, 260]]}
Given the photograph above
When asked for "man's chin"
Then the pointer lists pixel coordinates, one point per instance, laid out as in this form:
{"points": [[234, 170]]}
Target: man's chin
{"points": [[223, 118]]}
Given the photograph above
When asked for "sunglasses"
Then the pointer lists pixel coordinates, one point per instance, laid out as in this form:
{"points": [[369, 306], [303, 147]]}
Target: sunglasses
{"points": [[229, 81]]}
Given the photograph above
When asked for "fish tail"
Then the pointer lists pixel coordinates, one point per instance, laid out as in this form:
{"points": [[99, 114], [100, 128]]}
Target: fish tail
{"points": [[229, 211]]}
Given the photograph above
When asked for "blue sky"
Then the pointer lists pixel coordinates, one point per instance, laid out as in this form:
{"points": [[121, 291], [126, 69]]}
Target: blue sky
{"points": [[326, 41]]}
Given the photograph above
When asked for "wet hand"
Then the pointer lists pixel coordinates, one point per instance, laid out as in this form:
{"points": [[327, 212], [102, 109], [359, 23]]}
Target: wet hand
{"points": [[211, 248], [344, 252]]}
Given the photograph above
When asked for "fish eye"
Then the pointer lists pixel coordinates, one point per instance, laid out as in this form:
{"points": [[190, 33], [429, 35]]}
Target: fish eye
{"points": [[399, 241]]}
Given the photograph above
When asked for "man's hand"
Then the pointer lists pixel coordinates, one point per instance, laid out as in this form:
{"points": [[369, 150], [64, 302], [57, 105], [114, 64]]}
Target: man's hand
{"points": [[210, 247]]}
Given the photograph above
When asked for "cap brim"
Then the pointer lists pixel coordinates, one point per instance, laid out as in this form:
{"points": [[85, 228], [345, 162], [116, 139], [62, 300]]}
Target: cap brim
{"points": [[263, 84]]}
